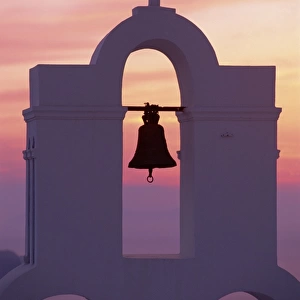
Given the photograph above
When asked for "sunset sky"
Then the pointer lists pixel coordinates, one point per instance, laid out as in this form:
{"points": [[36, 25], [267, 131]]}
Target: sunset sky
{"points": [[242, 32]]}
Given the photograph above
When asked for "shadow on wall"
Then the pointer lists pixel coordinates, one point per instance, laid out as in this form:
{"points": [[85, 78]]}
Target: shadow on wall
{"points": [[8, 261]]}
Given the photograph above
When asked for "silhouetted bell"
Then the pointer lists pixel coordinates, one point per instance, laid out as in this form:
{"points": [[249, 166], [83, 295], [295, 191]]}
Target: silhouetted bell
{"points": [[151, 151]]}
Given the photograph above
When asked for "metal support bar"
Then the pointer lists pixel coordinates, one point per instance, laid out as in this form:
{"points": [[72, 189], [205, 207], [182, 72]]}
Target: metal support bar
{"points": [[158, 108]]}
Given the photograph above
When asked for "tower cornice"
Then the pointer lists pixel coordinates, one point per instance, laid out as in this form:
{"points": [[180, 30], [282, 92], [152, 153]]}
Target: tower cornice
{"points": [[74, 113], [229, 114]]}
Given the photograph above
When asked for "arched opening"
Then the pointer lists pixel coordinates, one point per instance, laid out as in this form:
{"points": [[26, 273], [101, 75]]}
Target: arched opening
{"points": [[246, 296], [66, 297], [150, 211], [238, 296]]}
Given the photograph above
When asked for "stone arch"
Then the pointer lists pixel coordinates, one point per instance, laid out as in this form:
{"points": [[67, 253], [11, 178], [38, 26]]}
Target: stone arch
{"points": [[169, 33], [66, 297], [245, 295], [197, 71], [237, 296]]}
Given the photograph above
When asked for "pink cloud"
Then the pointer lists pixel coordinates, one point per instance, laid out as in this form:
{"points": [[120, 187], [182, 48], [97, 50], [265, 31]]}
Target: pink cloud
{"points": [[16, 95], [289, 170], [133, 78], [34, 33], [12, 133]]}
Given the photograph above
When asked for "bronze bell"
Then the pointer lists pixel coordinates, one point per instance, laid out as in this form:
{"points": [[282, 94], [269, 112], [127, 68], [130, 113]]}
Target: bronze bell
{"points": [[151, 151]]}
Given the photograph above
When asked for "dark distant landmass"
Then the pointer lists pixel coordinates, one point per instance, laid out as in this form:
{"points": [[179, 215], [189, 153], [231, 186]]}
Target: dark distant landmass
{"points": [[8, 261]]}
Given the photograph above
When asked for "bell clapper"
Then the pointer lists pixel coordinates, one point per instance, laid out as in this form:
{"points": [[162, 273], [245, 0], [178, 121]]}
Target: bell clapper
{"points": [[150, 178]]}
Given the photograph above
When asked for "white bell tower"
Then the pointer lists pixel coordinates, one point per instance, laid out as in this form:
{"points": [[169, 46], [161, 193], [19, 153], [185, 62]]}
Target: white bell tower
{"points": [[227, 169]]}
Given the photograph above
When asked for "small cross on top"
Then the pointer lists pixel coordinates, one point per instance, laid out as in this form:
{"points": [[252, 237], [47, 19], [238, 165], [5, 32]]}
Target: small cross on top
{"points": [[154, 2]]}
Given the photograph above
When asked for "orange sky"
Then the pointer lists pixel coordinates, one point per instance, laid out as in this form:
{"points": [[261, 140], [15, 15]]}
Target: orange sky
{"points": [[242, 32]]}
